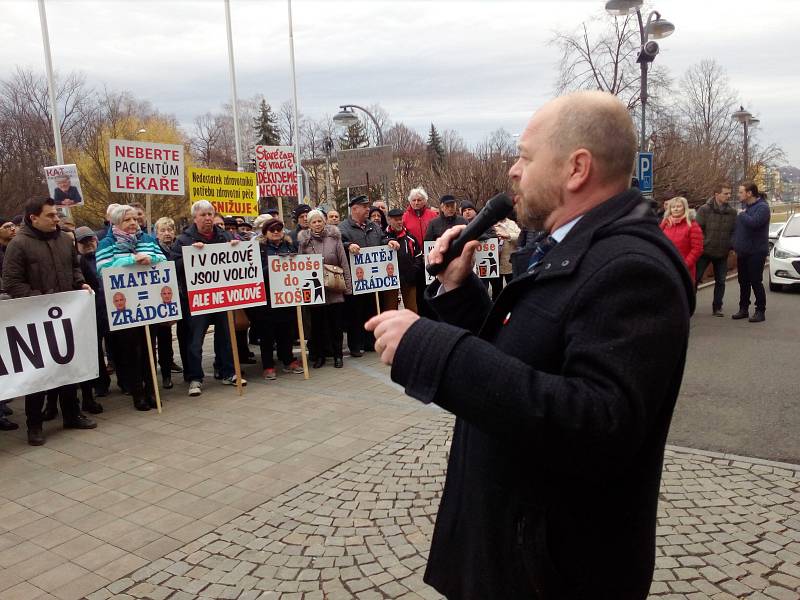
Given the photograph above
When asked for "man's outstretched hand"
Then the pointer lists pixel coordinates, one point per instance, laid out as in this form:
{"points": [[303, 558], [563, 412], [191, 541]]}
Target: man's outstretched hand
{"points": [[389, 328]]}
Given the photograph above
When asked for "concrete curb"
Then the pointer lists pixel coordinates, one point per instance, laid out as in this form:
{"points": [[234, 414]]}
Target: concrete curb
{"points": [[746, 462], [728, 277]]}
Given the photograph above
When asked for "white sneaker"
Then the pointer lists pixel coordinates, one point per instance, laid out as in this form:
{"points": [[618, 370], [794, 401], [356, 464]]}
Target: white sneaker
{"points": [[195, 388], [232, 380]]}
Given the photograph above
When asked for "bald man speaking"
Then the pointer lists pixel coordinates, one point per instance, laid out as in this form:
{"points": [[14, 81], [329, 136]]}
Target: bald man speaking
{"points": [[564, 387]]}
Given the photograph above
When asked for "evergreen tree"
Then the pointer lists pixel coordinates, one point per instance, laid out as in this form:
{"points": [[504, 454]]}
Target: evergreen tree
{"points": [[435, 148], [266, 126], [355, 136]]}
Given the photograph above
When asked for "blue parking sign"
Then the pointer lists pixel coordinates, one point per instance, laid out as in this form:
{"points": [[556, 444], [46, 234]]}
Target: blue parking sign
{"points": [[644, 172]]}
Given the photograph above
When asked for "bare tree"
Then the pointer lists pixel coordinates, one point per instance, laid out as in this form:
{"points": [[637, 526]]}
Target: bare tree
{"points": [[207, 133]]}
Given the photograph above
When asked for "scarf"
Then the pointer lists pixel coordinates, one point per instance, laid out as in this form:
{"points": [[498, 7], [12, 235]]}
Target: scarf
{"points": [[124, 243]]}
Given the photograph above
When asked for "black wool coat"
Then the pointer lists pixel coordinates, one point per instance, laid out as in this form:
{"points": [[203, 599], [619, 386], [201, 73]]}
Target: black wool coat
{"points": [[563, 391]]}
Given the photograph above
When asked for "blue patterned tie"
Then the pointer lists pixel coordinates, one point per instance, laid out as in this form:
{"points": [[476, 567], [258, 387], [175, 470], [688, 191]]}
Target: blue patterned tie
{"points": [[542, 248]]}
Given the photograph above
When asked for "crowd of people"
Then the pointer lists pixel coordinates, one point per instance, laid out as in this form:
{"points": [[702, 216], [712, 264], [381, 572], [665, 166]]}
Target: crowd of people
{"points": [[41, 252], [707, 236]]}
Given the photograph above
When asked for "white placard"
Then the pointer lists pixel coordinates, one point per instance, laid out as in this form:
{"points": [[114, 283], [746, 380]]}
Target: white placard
{"points": [[146, 167], [47, 341], [296, 280], [374, 269], [64, 185], [141, 295], [276, 171], [487, 260], [222, 277]]}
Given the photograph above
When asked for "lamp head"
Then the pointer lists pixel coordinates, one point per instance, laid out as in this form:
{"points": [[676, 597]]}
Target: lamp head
{"points": [[620, 8], [660, 28], [345, 117]]}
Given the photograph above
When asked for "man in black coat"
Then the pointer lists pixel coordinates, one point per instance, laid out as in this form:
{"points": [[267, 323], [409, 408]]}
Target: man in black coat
{"points": [[448, 218], [564, 387]]}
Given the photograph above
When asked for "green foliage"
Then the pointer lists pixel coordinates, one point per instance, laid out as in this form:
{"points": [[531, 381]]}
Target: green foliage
{"points": [[266, 126], [355, 136], [435, 149]]}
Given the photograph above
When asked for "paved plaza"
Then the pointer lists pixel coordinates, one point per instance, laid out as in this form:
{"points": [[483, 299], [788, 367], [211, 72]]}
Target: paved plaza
{"points": [[322, 490]]}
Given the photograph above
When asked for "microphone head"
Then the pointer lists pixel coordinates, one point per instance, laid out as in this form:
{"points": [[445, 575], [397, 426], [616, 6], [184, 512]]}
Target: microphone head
{"points": [[499, 206]]}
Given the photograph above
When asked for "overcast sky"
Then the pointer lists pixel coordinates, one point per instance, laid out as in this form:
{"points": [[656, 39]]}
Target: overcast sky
{"points": [[469, 66]]}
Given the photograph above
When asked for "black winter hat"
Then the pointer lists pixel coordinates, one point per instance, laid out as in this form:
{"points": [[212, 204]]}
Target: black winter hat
{"points": [[467, 204], [359, 200], [447, 199], [396, 212]]}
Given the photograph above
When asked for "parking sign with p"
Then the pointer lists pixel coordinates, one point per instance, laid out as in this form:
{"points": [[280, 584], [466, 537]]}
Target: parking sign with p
{"points": [[644, 171]]}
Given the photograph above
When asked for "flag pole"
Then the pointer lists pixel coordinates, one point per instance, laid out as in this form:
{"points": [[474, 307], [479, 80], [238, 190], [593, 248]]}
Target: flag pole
{"points": [[235, 99]]}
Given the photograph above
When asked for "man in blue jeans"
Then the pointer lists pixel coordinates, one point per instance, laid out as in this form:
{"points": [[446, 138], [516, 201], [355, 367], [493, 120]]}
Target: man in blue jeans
{"points": [[717, 219], [193, 328], [751, 243]]}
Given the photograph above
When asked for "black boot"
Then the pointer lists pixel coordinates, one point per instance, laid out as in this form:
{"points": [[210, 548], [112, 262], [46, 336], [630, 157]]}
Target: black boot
{"points": [[6, 425], [742, 314], [337, 362], [91, 406], [36, 436], [758, 317], [141, 403], [319, 362]]}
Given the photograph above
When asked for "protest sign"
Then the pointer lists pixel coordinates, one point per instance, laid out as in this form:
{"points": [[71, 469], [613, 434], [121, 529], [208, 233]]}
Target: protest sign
{"points": [[47, 341], [231, 192], [276, 171], [361, 165], [487, 259], [64, 185], [141, 295], [296, 280], [146, 167], [374, 269], [224, 276]]}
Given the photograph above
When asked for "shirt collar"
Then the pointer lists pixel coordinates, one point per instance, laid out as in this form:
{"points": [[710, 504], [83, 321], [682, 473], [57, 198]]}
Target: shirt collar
{"points": [[560, 233]]}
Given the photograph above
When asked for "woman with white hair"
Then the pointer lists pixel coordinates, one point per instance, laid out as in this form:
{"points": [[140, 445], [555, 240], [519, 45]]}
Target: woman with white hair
{"points": [[127, 245], [683, 232], [327, 320]]}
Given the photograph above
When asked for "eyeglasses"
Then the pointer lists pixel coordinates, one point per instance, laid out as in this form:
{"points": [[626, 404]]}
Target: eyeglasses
{"points": [[8, 226]]}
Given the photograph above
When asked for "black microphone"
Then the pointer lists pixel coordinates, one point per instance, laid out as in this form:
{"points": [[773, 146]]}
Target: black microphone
{"points": [[496, 209]]}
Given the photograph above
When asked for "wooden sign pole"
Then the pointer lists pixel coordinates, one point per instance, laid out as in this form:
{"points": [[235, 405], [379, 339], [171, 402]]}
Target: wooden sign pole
{"points": [[152, 366], [303, 353], [235, 350]]}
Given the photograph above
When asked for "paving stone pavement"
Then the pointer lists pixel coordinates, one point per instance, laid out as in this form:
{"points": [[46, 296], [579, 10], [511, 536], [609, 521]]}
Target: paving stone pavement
{"points": [[727, 529]]}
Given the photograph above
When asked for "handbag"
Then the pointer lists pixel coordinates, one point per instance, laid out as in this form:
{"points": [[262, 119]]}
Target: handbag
{"points": [[334, 278]]}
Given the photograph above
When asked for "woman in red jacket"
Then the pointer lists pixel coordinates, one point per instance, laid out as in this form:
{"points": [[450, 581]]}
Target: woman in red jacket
{"points": [[683, 232]]}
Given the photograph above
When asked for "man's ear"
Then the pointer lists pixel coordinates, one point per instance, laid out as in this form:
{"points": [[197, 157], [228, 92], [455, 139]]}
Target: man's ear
{"points": [[579, 164]]}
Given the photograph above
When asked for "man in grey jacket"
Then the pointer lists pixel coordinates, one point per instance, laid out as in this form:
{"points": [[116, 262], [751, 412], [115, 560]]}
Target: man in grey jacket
{"points": [[717, 219]]}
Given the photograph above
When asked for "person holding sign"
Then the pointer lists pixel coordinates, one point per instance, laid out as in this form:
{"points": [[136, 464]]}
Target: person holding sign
{"points": [[128, 245], [41, 259], [274, 325], [359, 232], [327, 324], [201, 232]]}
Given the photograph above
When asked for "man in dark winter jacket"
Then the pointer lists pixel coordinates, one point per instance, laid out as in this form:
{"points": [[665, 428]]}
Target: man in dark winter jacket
{"points": [[564, 387], [300, 214], [359, 232], [717, 219], [202, 231], [409, 261], [43, 260], [7, 232], [751, 243], [447, 219]]}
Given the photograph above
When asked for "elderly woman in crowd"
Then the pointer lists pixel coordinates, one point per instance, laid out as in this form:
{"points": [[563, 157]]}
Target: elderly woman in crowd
{"points": [[683, 232], [162, 333], [274, 326], [127, 245], [327, 320]]}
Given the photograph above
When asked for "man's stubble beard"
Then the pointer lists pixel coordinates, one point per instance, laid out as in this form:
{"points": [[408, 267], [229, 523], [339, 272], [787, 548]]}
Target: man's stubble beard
{"points": [[534, 214]]}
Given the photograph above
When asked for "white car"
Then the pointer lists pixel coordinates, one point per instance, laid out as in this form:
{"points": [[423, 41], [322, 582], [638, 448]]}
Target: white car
{"points": [[775, 231], [784, 258]]}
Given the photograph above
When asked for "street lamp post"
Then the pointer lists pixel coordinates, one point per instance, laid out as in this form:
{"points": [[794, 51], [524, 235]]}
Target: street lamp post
{"points": [[328, 144], [346, 117], [747, 120], [656, 28]]}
